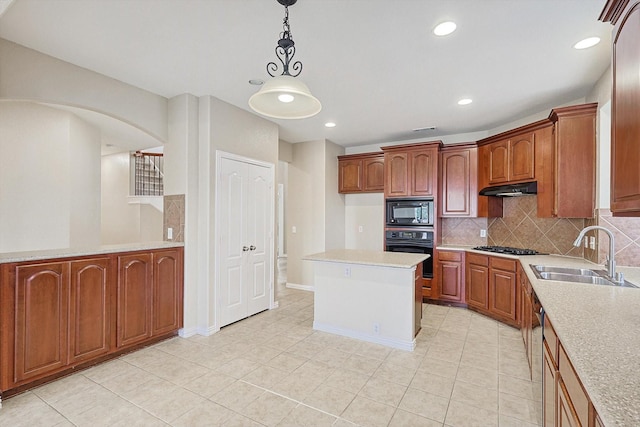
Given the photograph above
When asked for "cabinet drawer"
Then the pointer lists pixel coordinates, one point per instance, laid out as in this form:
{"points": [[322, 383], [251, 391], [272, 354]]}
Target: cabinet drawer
{"points": [[551, 339], [478, 259], [503, 264], [450, 255], [576, 393]]}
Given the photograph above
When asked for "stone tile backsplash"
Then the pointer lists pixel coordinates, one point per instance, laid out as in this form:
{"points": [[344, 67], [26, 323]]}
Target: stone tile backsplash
{"points": [[174, 213], [627, 239]]}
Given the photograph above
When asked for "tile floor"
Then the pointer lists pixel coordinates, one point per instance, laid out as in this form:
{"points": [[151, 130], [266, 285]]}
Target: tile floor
{"points": [[273, 369]]}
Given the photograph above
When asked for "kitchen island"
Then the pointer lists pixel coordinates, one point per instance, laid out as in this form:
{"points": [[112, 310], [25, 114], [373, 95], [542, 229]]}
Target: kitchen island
{"points": [[369, 295]]}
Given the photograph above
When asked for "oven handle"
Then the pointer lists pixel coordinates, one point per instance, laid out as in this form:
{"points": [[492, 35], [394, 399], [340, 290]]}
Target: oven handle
{"points": [[413, 244]]}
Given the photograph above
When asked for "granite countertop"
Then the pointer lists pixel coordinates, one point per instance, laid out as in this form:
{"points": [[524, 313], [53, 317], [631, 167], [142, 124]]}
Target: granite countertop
{"points": [[373, 258], [76, 252], [599, 327]]}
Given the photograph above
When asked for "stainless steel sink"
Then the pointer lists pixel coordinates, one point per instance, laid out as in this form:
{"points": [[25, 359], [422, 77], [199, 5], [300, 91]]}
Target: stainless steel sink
{"points": [[563, 270], [577, 275]]}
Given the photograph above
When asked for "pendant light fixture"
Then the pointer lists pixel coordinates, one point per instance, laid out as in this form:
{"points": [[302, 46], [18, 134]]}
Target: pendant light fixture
{"points": [[284, 96]]}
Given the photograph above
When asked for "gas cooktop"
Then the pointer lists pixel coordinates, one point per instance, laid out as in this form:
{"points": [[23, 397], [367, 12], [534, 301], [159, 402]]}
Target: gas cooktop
{"points": [[507, 250]]}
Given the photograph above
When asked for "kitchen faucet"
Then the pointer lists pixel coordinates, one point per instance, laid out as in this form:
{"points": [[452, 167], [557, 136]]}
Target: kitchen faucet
{"points": [[611, 263]]}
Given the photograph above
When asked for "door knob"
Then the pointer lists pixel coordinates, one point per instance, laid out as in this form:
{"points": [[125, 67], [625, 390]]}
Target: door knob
{"points": [[245, 249], [252, 248]]}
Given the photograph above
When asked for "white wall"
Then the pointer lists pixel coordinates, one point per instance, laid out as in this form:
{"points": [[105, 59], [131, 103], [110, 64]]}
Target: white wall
{"points": [[364, 210], [50, 166], [334, 201]]}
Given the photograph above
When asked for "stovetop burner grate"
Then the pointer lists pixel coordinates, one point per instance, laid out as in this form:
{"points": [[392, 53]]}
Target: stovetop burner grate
{"points": [[507, 250]]}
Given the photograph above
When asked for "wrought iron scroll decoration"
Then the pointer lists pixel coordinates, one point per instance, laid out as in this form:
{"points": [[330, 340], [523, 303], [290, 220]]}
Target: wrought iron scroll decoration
{"points": [[285, 50]]}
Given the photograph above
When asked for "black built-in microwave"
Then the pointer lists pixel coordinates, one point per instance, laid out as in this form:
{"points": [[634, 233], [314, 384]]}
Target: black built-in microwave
{"points": [[404, 212]]}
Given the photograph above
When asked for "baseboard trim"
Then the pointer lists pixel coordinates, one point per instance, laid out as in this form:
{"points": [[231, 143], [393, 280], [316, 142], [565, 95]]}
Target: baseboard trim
{"points": [[298, 286], [187, 332], [389, 342]]}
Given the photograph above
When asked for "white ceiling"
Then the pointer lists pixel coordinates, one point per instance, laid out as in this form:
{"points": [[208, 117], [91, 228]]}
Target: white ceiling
{"points": [[374, 64]]}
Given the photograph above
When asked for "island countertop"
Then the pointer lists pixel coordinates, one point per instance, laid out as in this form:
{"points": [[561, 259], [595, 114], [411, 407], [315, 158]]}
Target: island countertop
{"points": [[373, 258], [8, 257]]}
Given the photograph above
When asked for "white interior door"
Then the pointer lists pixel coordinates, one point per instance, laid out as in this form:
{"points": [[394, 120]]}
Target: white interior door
{"points": [[245, 205]]}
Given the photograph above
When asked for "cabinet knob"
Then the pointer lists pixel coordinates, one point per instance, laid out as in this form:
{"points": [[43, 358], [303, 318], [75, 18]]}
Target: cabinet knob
{"points": [[245, 248], [252, 248]]}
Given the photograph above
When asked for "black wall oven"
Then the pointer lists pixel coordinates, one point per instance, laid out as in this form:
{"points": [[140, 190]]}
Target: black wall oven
{"points": [[412, 240]]}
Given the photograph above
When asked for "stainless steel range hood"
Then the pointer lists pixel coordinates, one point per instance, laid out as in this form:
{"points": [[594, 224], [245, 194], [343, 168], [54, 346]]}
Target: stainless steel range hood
{"points": [[511, 190]]}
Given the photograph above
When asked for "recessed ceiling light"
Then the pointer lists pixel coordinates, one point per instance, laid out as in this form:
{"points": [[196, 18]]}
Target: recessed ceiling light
{"points": [[587, 43], [256, 82], [465, 101], [444, 28], [329, 125]]}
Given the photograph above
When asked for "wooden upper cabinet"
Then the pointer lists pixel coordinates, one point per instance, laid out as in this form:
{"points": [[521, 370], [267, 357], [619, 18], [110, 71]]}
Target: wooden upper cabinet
{"points": [[512, 160], [411, 170], [566, 163], [625, 126], [361, 173], [459, 181]]}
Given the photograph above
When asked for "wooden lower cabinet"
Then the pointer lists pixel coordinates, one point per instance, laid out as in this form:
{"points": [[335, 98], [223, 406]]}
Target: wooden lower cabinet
{"points": [[65, 313], [492, 287], [90, 309], [450, 275]]}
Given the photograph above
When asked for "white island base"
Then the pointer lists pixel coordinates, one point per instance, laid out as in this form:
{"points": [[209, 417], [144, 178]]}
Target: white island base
{"points": [[368, 295]]}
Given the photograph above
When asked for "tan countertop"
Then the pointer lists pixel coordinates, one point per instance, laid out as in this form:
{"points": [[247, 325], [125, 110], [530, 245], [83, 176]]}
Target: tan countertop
{"points": [[76, 252], [599, 327], [373, 258]]}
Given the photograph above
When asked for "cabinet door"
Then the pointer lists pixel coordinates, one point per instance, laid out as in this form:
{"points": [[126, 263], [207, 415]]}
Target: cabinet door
{"points": [[502, 294], [89, 314], [424, 173], [167, 291], [450, 275], [134, 298], [396, 174], [549, 376], [521, 157], [566, 413], [499, 162], [459, 183], [625, 132], [373, 174], [350, 176], [478, 286], [42, 315]]}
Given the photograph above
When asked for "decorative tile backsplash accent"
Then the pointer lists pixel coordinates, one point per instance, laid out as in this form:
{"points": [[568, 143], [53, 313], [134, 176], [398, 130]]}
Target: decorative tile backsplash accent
{"points": [[464, 231], [627, 239], [519, 227], [174, 213]]}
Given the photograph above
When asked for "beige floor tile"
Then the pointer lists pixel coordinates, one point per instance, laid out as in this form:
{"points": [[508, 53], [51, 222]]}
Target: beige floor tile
{"points": [[304, 416], [281, 342], [269, 409], [71, 404], [481, 377], [305, 349], [517, 387], [405, 358], [173, 404], [518, 368], [407, 419], [463, 415], [111, 411], [237, 420], [362, 364], [237, 396], [470, 358], [505, 421], [470, 394], [296, 386], [521, 409], [261, 353], [287, 362], [28, 410], [347, 380], [375, 351], [432, 383], [209, 384], [395, 373], [367, 412], [176, 370], [448, 353], [332, 357], [444, 368], [60, 389], [113, 368], [265, 376], [383, 391], [452, 333], [207, 413], [238, 368], [425, 404], [329, 399], [341, 422]]}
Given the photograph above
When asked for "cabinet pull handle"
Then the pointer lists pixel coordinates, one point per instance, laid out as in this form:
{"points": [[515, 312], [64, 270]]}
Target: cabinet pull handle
{"points": [[245, 248], [252, 248]]}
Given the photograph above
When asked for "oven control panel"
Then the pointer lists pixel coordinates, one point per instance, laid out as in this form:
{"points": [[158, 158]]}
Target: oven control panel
{"points": [[409, 235]]}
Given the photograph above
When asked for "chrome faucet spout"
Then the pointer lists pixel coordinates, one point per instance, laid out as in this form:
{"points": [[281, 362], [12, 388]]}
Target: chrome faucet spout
{"points": [[611, 264]]}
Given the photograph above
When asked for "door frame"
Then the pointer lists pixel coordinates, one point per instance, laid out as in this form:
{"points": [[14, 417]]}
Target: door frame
{"points": [[220, 155]]}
